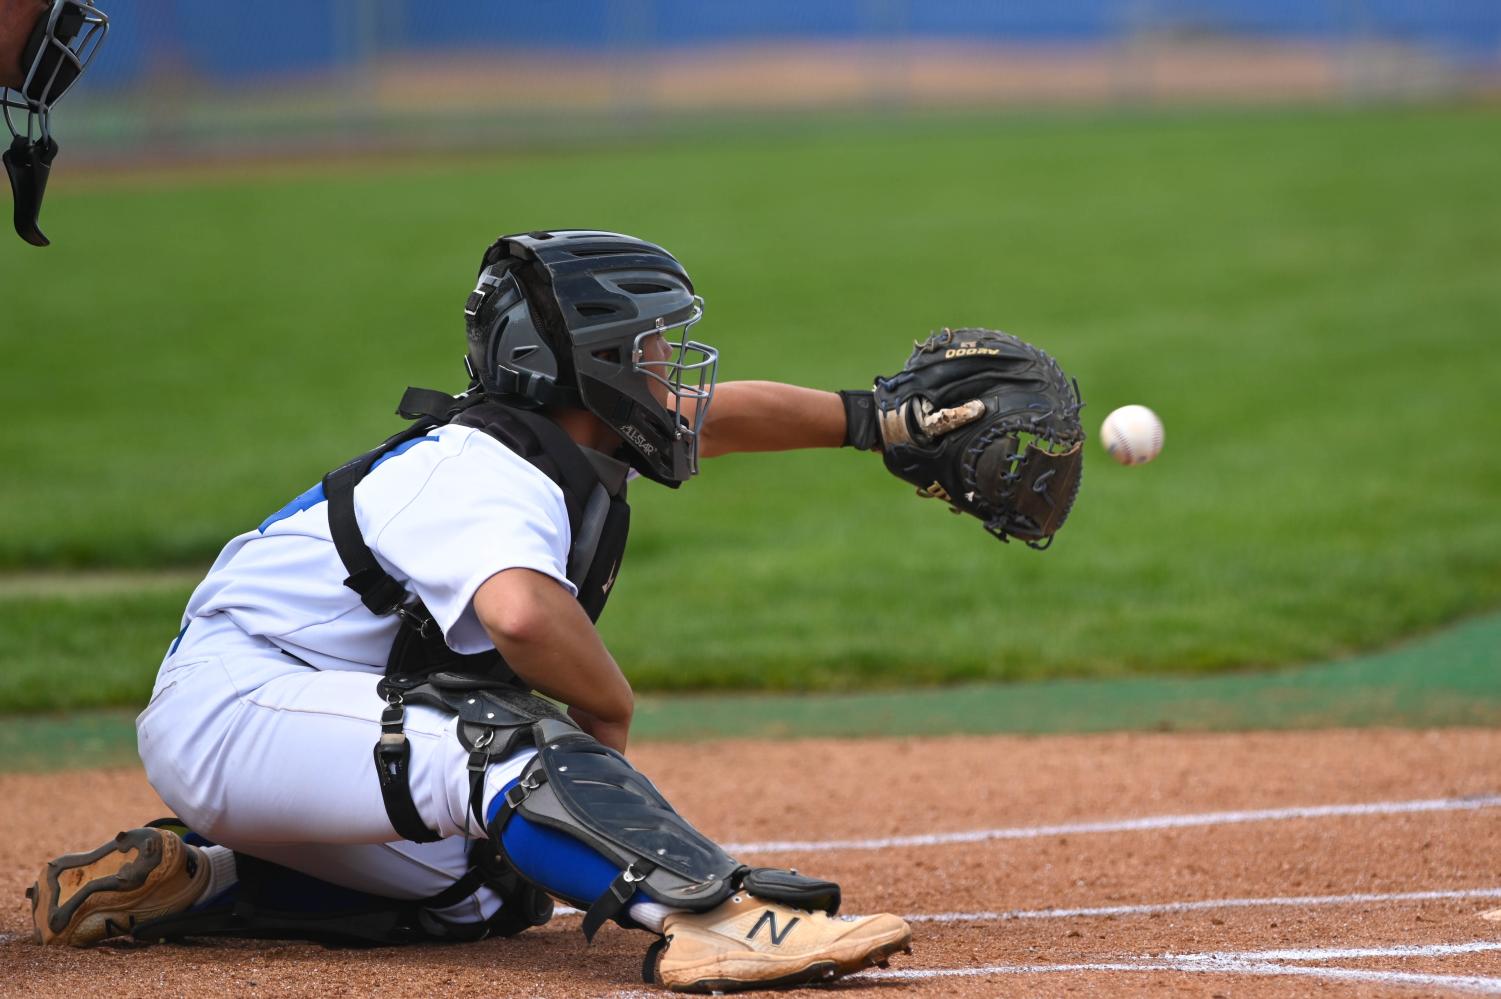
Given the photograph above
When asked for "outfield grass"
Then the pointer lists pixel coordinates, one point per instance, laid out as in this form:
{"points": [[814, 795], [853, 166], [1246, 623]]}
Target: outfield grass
{"points": [[1310, 300], [1444, 679]]}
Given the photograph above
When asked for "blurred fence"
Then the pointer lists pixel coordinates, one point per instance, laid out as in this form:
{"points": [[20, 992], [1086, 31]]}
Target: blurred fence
{"points": [[179, 76]]}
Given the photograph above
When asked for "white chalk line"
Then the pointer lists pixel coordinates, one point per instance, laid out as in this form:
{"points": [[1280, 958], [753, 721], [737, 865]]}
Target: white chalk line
{"points": [[1262, 963], [1154, 908], [1343, 953], [1148, 823], [1455, 983], [1201, 905], [1259, 963], [1191, 964]]}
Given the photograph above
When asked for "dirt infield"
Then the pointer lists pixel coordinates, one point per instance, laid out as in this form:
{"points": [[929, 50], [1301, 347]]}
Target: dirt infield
{"points": [[1325, 863]]}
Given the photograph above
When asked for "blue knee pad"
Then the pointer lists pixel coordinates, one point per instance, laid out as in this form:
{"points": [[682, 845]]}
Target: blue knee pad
{"points": [[554, 860]]}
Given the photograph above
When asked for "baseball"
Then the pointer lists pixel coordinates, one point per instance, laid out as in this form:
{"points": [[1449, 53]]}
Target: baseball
{"points": [[1132, 435]]}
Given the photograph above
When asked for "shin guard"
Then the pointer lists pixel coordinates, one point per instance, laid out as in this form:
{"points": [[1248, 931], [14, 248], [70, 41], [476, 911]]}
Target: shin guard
{"points": [[590, 793]]}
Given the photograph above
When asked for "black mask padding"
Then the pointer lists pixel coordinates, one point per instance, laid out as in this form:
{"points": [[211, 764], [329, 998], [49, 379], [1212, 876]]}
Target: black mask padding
{"points": [[29, 164], [69, 23], [34, 44]]}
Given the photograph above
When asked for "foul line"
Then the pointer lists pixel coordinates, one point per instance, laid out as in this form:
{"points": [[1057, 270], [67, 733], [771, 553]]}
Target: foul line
{"points": [[1204, 904], [1458, 983], [1124, 825], [1342, 953], [1249, 963]]}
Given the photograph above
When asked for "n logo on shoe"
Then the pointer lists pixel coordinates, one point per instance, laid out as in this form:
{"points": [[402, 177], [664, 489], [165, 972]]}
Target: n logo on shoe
{"points": [[769, 918]]}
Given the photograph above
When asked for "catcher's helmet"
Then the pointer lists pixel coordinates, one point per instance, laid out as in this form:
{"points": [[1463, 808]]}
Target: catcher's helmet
{"points": [[62, 44], [569, 317]]}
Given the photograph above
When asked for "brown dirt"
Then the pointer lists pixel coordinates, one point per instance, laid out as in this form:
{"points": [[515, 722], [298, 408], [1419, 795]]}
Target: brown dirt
{"points": [[815, 790]]}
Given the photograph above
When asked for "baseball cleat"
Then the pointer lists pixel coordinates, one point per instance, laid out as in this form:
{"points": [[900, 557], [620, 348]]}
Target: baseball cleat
{"points": [[750, 943], [83, 898]]}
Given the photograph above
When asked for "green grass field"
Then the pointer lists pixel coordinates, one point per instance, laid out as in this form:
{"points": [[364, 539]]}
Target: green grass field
{"points": [[1311, 301], [1444, 679]]}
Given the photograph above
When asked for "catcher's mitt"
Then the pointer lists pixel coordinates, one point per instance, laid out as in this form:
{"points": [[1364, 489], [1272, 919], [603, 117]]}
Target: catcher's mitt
{"points": [[989, 424]]}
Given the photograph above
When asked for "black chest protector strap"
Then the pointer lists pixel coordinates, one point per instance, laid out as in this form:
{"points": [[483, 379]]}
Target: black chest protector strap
{"points": [[598, 516], [598, 520], [378, 591]]}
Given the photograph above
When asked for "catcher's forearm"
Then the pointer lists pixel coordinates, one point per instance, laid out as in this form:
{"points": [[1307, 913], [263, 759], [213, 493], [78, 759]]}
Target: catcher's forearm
{"points": [[551, 644], [771, 416]]}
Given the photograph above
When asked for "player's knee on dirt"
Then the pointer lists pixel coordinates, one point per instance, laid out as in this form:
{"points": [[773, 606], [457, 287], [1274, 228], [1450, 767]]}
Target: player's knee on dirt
{"points": [[584, 825]]}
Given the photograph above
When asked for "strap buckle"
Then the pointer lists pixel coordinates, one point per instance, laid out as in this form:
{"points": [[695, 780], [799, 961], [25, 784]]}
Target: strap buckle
{"points": [[426, 628], [479, 756], [391, 748], [516, 793]]}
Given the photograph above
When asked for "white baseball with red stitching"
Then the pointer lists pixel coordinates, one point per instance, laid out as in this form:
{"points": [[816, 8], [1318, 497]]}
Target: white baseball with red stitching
{"points": [[1132, 434]]}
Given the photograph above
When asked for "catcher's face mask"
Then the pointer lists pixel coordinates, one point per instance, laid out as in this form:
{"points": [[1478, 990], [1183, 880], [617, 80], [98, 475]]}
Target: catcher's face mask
{"points": [[600, 321], [680, 374], [63, 43]]}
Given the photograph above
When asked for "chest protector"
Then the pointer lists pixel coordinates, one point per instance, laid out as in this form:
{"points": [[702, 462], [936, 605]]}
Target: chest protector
{"points": [[421, 667], [598, 520]]}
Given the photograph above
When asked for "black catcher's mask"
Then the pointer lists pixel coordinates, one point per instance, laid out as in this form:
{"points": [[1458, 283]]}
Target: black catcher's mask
{"points": [[596, 321], [61, 46]]}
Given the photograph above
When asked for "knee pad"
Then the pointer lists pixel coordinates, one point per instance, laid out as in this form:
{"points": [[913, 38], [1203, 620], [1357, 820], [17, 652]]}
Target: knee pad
{"points": [[592, 795]]}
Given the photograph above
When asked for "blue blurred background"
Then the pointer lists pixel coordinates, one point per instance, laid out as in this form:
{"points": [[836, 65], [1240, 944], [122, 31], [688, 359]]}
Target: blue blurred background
{"points": [[310, 74]]}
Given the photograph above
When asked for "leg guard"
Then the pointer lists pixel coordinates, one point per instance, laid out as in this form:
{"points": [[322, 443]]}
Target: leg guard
{"points": [[591, 794]]}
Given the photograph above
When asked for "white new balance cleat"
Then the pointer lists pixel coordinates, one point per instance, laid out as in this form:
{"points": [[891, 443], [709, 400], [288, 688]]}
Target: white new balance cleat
{"points": [[140, 875], [750, 943]]}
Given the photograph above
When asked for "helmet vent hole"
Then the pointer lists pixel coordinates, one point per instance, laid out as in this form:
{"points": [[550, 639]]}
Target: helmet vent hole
{"points": [[595, 310], [643, 288], [611, 356]]}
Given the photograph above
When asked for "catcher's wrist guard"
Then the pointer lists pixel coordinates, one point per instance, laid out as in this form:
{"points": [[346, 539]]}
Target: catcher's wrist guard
{"points": [[860, 429], [990, 425]]}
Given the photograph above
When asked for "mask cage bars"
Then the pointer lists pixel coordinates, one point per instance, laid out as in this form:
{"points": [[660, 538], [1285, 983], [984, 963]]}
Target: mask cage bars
{"points": [[688, 374], [73, 53]]}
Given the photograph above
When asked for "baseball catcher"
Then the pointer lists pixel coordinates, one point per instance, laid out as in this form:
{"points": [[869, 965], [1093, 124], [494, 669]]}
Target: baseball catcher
{"points": [[387, 716], [45, 45]]}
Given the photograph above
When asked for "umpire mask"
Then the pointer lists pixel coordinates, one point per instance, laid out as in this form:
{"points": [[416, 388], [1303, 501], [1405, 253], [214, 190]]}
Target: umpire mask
{"points": [[63, 43]]}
